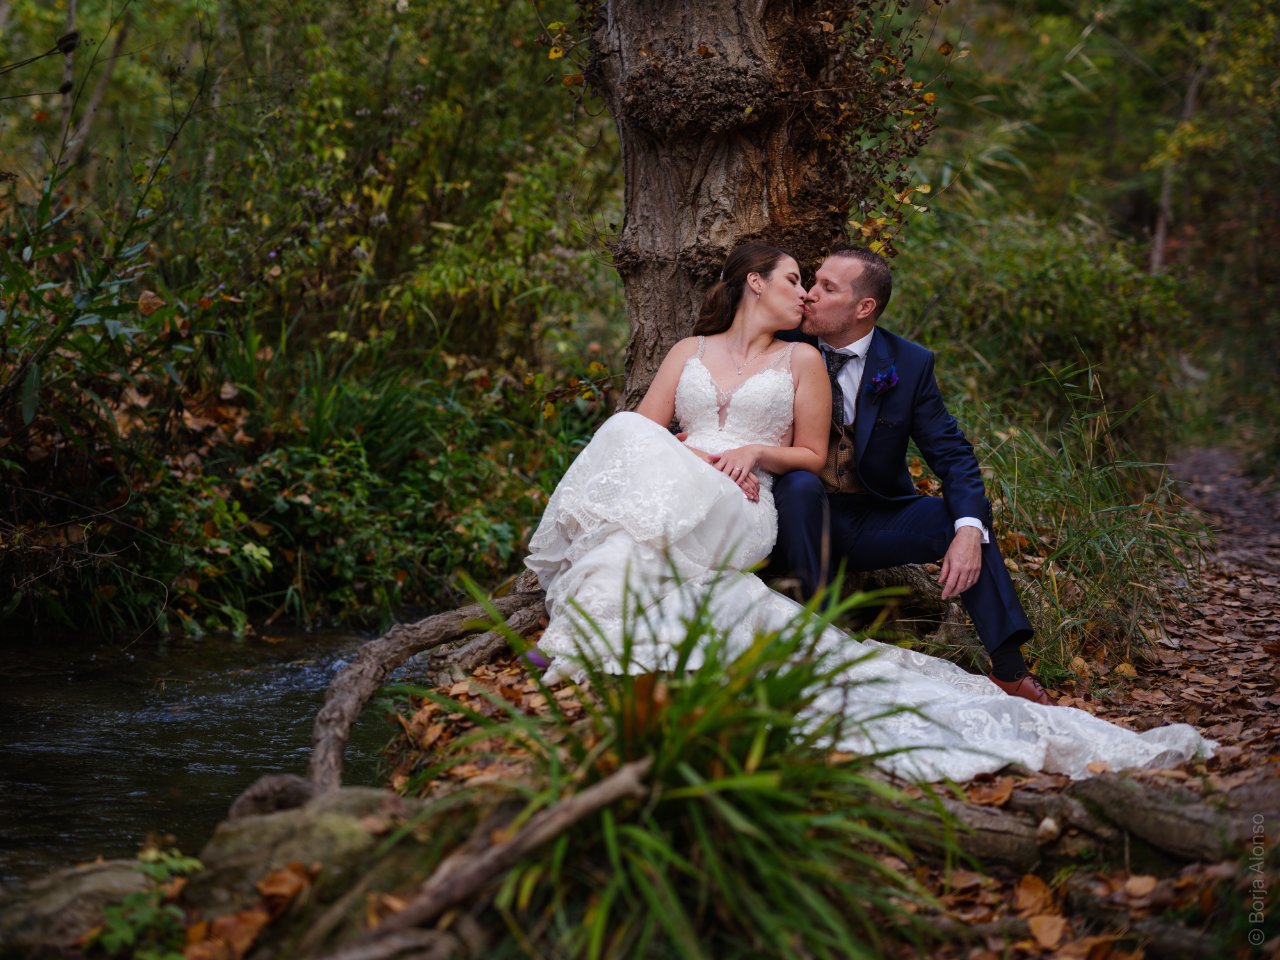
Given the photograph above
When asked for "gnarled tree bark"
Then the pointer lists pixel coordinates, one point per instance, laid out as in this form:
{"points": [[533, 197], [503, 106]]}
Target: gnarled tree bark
{"points": [[741, 121]]}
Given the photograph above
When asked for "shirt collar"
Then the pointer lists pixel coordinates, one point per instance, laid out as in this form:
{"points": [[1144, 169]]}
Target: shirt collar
{"points": [[858, 348]]}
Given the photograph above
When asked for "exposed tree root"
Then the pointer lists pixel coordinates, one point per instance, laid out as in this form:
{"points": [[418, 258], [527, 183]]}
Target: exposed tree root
{"points": [[352, 688]]}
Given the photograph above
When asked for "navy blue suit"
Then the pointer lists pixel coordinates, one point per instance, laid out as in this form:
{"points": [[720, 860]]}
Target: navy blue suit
{"points": [[890, 524]]}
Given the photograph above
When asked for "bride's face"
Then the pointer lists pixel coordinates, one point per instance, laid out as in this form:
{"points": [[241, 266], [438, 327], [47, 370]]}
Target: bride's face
{"points": [[782, 295]]}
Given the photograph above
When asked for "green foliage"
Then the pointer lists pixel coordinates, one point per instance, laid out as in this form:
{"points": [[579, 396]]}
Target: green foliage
{"points": [[1006, 297], [1121, 114], [144, 925], [365, 334], [320, 527], [754, 839]]}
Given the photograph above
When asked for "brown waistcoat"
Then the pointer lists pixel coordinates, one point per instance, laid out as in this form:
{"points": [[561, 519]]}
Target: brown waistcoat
{"points": [[840, 473]]}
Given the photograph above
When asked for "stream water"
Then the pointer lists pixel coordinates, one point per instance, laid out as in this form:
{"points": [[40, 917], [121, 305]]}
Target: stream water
{"points": [[100, 747]]}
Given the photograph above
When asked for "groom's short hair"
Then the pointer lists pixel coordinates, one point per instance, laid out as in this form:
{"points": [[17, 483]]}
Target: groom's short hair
{"points": [[876, 279]]}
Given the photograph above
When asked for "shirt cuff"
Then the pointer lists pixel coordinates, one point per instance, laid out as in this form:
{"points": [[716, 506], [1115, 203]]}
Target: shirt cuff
{"points": [[974, 522]]}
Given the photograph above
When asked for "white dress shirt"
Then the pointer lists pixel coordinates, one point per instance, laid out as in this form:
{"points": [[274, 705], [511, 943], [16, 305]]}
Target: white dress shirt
{"points": [[850, 380]]}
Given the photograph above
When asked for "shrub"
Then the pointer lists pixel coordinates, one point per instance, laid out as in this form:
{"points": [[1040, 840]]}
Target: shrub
{"points": [[1006, 298]]}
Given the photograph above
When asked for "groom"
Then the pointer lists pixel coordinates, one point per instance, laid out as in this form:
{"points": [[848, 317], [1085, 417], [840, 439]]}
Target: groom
{"points": [[864, 511]]}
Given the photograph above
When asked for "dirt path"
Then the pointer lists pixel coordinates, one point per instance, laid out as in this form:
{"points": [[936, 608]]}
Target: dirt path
{"points": [[1219, 666]]}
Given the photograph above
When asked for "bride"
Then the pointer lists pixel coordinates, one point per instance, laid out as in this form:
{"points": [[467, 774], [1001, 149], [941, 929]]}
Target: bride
{"points": [[643, 528]]}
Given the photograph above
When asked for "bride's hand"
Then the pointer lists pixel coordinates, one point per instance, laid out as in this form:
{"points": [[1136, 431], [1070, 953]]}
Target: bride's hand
{"points": [[739, 465]]}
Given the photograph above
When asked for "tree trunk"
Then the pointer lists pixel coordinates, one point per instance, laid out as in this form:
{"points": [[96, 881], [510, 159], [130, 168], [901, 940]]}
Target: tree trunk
{"points": [[736, 122]]}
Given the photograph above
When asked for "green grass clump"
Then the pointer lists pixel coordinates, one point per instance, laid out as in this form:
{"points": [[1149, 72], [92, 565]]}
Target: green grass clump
{"points": [[1100, 539]]}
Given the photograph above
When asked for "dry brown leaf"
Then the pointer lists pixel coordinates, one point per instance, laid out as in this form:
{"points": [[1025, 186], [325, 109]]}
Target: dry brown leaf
{"points": [[149, 302], [996, 793], [239, 930], [279, 887], [1140, 885], [1048, 930], [1032, 896]]}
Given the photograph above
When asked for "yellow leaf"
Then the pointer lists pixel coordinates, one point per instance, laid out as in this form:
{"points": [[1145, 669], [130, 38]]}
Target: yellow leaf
{"points": [[930, 97], [548, 410], [555, 53], [924, 188]]}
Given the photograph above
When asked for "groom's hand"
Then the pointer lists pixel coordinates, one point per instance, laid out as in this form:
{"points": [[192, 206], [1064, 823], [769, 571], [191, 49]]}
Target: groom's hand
{"points": [[962, 564]]}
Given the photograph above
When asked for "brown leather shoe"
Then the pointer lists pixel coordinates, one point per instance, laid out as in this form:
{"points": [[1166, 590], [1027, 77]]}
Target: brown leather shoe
{"points": [[1027, 687]]}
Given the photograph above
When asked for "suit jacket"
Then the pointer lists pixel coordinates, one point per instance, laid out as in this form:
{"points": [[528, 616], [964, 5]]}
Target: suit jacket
{"points": [[888, 418]]}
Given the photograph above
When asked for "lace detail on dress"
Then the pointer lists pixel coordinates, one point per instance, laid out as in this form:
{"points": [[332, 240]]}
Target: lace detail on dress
{"points": [[723, 397], [758, 410]]}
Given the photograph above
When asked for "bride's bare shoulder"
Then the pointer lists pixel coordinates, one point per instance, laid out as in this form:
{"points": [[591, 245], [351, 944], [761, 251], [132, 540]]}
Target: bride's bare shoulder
{"points": [[805, 356], [684, 349]]}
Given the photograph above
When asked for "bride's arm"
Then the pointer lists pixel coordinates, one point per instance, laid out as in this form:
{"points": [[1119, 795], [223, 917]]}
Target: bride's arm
{"points": [[808, 450], [659, 403]]}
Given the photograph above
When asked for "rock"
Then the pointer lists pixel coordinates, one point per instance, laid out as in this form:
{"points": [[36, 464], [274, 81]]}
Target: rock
{"points": [[50, 914], [336, 831], [276, 791]]}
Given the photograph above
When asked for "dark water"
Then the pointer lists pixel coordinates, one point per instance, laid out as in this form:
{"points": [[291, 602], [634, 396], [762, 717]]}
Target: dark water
{"points": [[100, 746]]}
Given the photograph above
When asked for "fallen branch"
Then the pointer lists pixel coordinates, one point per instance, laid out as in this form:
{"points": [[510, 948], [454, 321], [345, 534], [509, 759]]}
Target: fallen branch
{"points": [[1110, 819], [418, 944], [462, 874]]}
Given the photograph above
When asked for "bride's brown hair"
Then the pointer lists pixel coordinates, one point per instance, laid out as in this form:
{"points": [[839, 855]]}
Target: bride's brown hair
{"points": [[721, 301]]}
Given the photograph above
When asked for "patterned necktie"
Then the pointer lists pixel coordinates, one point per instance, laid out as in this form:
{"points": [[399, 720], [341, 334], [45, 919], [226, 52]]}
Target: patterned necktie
{"points": [[835, 363]]}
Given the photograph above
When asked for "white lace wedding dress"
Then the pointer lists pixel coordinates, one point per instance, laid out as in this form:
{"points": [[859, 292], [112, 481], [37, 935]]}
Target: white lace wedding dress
{"points": [[641, 530]]}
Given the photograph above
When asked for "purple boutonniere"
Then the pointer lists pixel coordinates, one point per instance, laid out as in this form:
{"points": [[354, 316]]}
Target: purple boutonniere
{"points": [[882, 383]]}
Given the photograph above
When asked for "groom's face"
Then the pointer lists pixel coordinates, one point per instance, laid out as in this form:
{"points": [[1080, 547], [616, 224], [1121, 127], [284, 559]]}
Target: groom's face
{"points": [[837, 311]]}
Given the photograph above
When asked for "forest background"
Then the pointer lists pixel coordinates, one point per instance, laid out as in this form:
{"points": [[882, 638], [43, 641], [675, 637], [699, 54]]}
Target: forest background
{"points": [[307, 306]]}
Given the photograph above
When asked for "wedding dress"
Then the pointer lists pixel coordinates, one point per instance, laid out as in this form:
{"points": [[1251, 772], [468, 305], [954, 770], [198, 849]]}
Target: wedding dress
{"points": [[640, 531]]}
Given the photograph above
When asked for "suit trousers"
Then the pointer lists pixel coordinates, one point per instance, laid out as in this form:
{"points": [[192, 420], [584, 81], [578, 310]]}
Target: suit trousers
{"points": [[864, 532]]}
